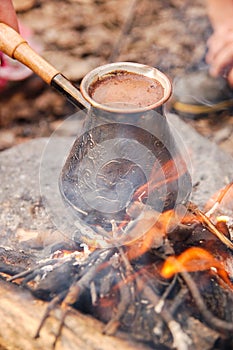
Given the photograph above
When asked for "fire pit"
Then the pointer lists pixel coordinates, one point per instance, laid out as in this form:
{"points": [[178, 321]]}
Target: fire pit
{"points": [[171, 288]]}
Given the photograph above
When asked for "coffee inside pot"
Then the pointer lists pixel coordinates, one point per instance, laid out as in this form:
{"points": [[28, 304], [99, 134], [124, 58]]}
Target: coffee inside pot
{"points": [[125, 89]]}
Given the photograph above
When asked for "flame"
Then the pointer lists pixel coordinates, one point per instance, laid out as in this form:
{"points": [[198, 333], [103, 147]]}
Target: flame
{"points": [[143, 245], [154, 235], [62, 253], [223, 218], [191, 260], [161, 176]]}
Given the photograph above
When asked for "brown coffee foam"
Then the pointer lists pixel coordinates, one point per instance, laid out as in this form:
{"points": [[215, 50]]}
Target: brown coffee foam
{"points": [[126, 88]]}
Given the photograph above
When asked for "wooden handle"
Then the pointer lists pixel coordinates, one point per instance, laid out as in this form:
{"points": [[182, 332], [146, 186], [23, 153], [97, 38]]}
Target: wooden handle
{"points": [[13, 45]]}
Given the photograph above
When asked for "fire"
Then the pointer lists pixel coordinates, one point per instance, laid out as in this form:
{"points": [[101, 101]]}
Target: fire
{"points": [[202, 218], [223, 218], [64, 253], [220, 209], [154, 236], [143, 245], [191, 260], [159, 177]]}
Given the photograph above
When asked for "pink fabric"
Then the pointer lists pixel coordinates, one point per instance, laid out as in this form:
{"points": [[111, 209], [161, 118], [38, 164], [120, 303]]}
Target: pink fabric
{"points": [[10, 69]]}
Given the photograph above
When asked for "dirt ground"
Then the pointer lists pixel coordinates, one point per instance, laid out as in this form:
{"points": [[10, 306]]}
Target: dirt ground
{"points": [[79, 35]]}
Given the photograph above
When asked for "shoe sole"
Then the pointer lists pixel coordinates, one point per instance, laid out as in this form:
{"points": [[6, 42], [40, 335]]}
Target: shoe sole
{"points": [[201, 110]]}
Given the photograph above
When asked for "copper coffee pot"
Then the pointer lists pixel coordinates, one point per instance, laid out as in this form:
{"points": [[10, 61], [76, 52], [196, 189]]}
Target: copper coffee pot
{"points": [[126, 153]]}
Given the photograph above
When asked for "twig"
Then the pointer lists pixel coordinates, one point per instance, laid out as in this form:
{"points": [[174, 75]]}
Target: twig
{"points": [[221, 195], [51, 306], [181, 341], [125, 290], [168, 290], [31, 273], [125, 299], [179, 299], [208, 223], [70, 296], [210, 319]]}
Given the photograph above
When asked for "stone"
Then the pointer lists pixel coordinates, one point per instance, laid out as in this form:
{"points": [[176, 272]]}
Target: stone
{"points": [[210, 167]]}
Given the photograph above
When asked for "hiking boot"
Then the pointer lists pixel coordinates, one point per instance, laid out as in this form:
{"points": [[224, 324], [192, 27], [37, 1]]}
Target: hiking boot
{"points": [[197, 94]]}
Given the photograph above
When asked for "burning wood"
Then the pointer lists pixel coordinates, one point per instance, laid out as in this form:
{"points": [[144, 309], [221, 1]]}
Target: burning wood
{"points": [[162, 288]]}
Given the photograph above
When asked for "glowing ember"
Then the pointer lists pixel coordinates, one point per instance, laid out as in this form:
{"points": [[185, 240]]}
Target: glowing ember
{"points": [[62, 254]]}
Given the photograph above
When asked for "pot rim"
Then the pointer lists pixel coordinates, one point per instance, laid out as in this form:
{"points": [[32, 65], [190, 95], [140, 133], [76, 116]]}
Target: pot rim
{"points": [[130, 67]]}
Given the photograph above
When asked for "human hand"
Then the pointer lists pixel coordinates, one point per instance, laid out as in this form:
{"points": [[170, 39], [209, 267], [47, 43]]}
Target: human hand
{"points": [[220, 52], [8, 14]]}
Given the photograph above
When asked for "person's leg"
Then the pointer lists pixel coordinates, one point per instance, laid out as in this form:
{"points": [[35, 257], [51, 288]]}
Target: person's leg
{"points": [[220, 43], [205, 91]]}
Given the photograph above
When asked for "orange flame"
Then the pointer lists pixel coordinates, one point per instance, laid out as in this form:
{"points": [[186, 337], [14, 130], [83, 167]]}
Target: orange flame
{"points": [[153, 236], [191, 260], [62, 253], [161, 176]]}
